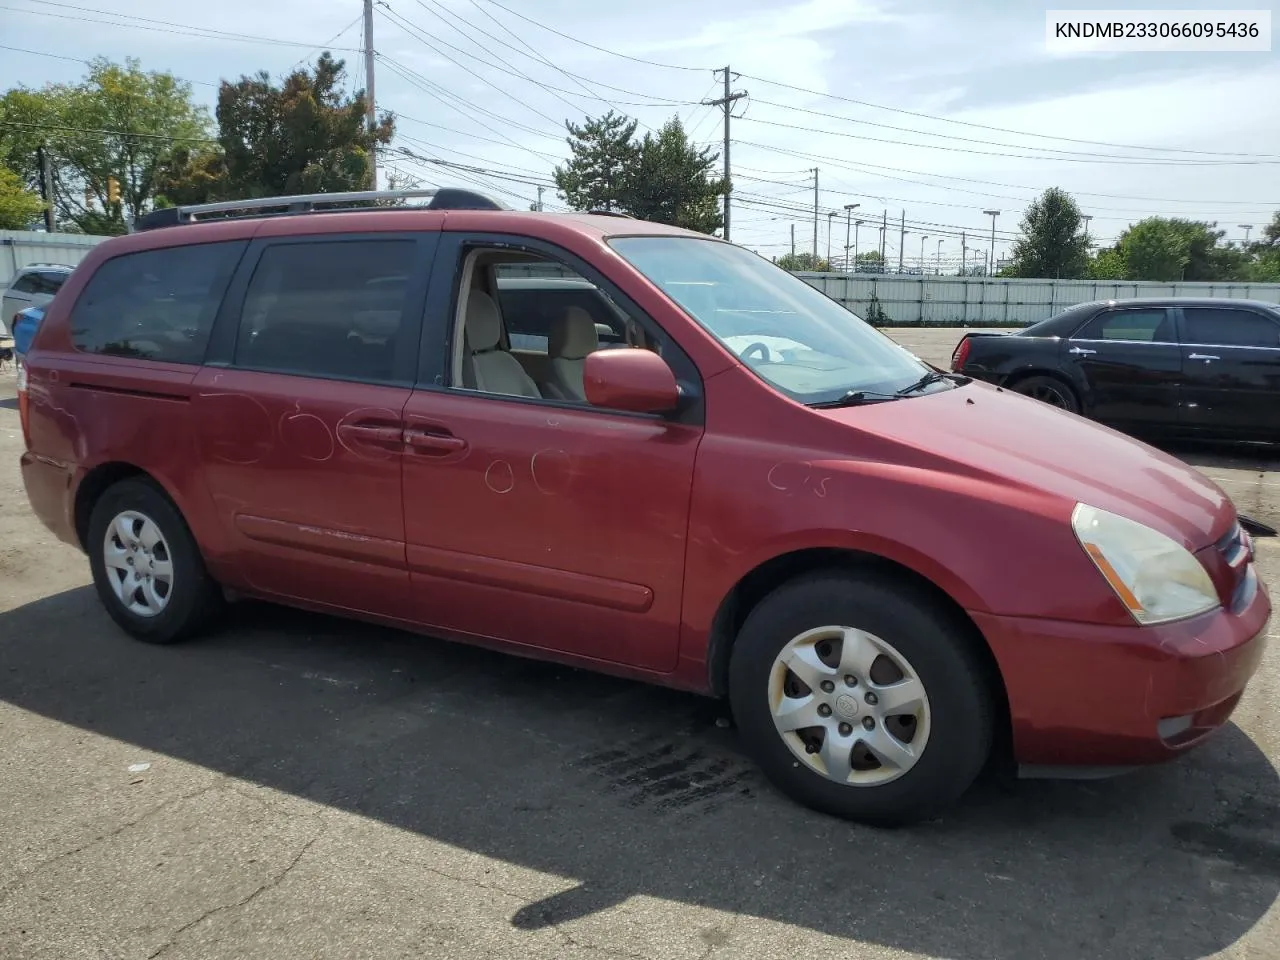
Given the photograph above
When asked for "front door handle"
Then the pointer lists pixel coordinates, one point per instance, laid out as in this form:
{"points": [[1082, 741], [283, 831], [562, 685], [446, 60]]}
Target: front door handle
{"points": [[1081, 351], [430, 442], [372, 433], [1201, 356]]}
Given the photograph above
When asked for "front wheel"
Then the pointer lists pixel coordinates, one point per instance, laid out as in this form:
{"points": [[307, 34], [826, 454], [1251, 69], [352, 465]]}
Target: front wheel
{"points": [[862, 698]]}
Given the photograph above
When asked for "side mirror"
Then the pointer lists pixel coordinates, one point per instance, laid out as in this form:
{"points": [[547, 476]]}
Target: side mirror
{"points": [[635, 379]]}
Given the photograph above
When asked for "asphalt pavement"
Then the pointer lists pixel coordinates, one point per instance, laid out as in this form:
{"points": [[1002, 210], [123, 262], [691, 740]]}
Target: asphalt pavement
{"points": [[300, 786]]}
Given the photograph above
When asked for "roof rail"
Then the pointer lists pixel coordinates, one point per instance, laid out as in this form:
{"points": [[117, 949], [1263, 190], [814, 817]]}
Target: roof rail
{"points": [[445, 198], [609, 213]]}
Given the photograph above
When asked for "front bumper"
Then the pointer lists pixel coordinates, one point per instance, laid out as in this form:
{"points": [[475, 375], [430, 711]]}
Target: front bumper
{"points": [[1090, 696]]}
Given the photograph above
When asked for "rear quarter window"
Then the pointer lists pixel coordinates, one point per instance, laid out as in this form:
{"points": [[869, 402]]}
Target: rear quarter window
{"points": [[155, 304]]}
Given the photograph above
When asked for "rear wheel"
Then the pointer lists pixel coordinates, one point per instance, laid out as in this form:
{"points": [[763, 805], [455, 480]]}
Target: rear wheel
{"points": [[147, 568], [862, 698], [1049, 390]]}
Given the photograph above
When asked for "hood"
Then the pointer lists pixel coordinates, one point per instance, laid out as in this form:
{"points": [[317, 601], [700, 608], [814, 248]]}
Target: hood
{"points": [[994, 433]]}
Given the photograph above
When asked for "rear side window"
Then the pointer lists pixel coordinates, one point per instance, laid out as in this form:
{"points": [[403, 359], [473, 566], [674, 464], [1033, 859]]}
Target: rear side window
{"points": [[1142, 326], [1228, 327], [155, 304], [330, 309]]}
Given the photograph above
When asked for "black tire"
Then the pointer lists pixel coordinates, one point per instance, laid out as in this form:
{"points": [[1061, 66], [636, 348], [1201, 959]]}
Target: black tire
{"points": [[1049, 390], [939, 649], [193, 599]]}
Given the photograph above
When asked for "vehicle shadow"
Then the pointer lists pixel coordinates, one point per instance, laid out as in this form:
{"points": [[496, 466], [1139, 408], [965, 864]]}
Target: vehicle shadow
{"points": [[633, 790], [1247, 472]]}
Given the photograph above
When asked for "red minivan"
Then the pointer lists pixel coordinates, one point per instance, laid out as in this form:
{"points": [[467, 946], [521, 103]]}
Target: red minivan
{"points": [[640, 450]]}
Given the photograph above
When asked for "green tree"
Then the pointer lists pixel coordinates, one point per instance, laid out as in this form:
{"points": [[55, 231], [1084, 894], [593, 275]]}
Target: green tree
{"points": [[1155, 249], [1052, 245], [603, 155], [803, 263], [672, 182], [19, 207], [306, 135], [119, 123], [1108, 264]]}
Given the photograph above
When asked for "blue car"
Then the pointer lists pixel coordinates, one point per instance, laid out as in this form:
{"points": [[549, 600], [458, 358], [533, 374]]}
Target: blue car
{"points": [[24, 329]]}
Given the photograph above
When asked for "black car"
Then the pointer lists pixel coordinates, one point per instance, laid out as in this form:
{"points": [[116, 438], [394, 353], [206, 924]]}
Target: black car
{"points": [[1197, 367]]}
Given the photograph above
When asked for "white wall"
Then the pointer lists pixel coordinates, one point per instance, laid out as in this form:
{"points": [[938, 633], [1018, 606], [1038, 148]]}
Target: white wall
{"points": [[21, 247], [982, 300]]}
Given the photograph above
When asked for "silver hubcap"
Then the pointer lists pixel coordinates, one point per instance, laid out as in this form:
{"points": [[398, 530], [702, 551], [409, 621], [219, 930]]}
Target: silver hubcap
{"points": [[849, 706], [138, 563]]}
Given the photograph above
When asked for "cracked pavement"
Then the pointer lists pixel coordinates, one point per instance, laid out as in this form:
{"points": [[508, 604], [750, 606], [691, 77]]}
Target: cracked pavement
{"points": [[320, 789]]}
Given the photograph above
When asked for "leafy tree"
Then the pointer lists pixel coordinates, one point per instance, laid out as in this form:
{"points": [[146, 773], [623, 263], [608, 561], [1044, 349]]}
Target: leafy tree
{"points": [[603, 156], [1155, 249], [304, 136], [19, 207], [869, 256], [672, 182], [1108, 264], [803, 263], [1052, 244], [119, 122]]}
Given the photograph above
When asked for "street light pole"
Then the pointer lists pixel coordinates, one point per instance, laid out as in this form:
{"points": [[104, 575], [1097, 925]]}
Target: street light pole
{"points": [[992, 214], [923, 238], [830, 216], [1246, 227], [856, 225], [848, 215], [937, 261]]}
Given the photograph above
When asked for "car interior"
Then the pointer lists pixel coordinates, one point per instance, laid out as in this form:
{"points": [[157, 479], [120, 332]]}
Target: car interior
{"points": [[528, 326]]}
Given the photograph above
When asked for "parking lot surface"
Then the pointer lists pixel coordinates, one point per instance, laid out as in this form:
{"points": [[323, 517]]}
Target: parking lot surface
{"points": [[298, 786]]}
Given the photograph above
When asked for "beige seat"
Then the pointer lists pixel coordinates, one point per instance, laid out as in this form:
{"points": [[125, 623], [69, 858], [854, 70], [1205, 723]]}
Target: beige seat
{"points": [[573, 337], [495, 370]]}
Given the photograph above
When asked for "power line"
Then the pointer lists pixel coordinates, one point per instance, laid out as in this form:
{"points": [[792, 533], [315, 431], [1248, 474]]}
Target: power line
{"points": [[1015, 146], [105, 133], [206, 33], [585, 43], [325, 46], [1126, 161], [968, 123]]}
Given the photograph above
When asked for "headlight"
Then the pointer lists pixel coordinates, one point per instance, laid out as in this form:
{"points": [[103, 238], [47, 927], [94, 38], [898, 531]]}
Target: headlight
{"points": [[1157, 579]]}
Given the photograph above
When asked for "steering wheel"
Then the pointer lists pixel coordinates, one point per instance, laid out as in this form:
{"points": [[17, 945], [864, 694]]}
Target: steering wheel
{"points": [[756, 347]]}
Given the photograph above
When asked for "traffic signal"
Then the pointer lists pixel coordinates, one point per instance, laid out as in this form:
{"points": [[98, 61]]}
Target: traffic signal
{"points": [[113, 190]]}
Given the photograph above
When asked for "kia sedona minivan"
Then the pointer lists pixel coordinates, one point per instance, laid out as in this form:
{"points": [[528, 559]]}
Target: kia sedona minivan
{"points": [[643, 451]]}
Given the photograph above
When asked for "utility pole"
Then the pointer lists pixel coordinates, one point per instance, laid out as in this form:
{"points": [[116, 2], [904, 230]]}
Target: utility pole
{"points": [[831, 215], [726, 102], [884, 226], [964, 253], [793, 239], [902, 238], [815, 218], [1086, 218], [46, 188], [371, 112], [540, 199], [1246, 227], [992, 259]]}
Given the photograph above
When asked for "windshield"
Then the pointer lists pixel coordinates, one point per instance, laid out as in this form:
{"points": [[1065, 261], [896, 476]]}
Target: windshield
{"points": [[795, 338]]}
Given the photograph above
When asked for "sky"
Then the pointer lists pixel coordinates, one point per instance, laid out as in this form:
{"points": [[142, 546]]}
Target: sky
{"points": [[927, 112]]}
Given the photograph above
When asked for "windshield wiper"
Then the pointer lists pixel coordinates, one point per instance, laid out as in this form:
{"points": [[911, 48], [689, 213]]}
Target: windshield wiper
{"points": [[855, 398], [932, 377]]}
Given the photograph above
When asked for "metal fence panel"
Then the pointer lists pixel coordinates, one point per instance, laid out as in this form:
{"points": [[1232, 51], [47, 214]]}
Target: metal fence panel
{"points": [[18, 248], [905, 300]]}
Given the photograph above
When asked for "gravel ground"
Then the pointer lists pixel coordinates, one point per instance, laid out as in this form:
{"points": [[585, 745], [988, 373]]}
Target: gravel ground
{"points": [[301, 786]]}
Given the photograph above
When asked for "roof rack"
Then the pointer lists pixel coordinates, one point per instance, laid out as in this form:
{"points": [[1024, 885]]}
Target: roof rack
{"points": [[445, 198]]}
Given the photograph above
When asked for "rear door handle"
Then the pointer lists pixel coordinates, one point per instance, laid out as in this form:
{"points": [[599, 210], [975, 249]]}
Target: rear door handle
{"points": [[1201, 356], [1081, 351], [430, 442]]}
